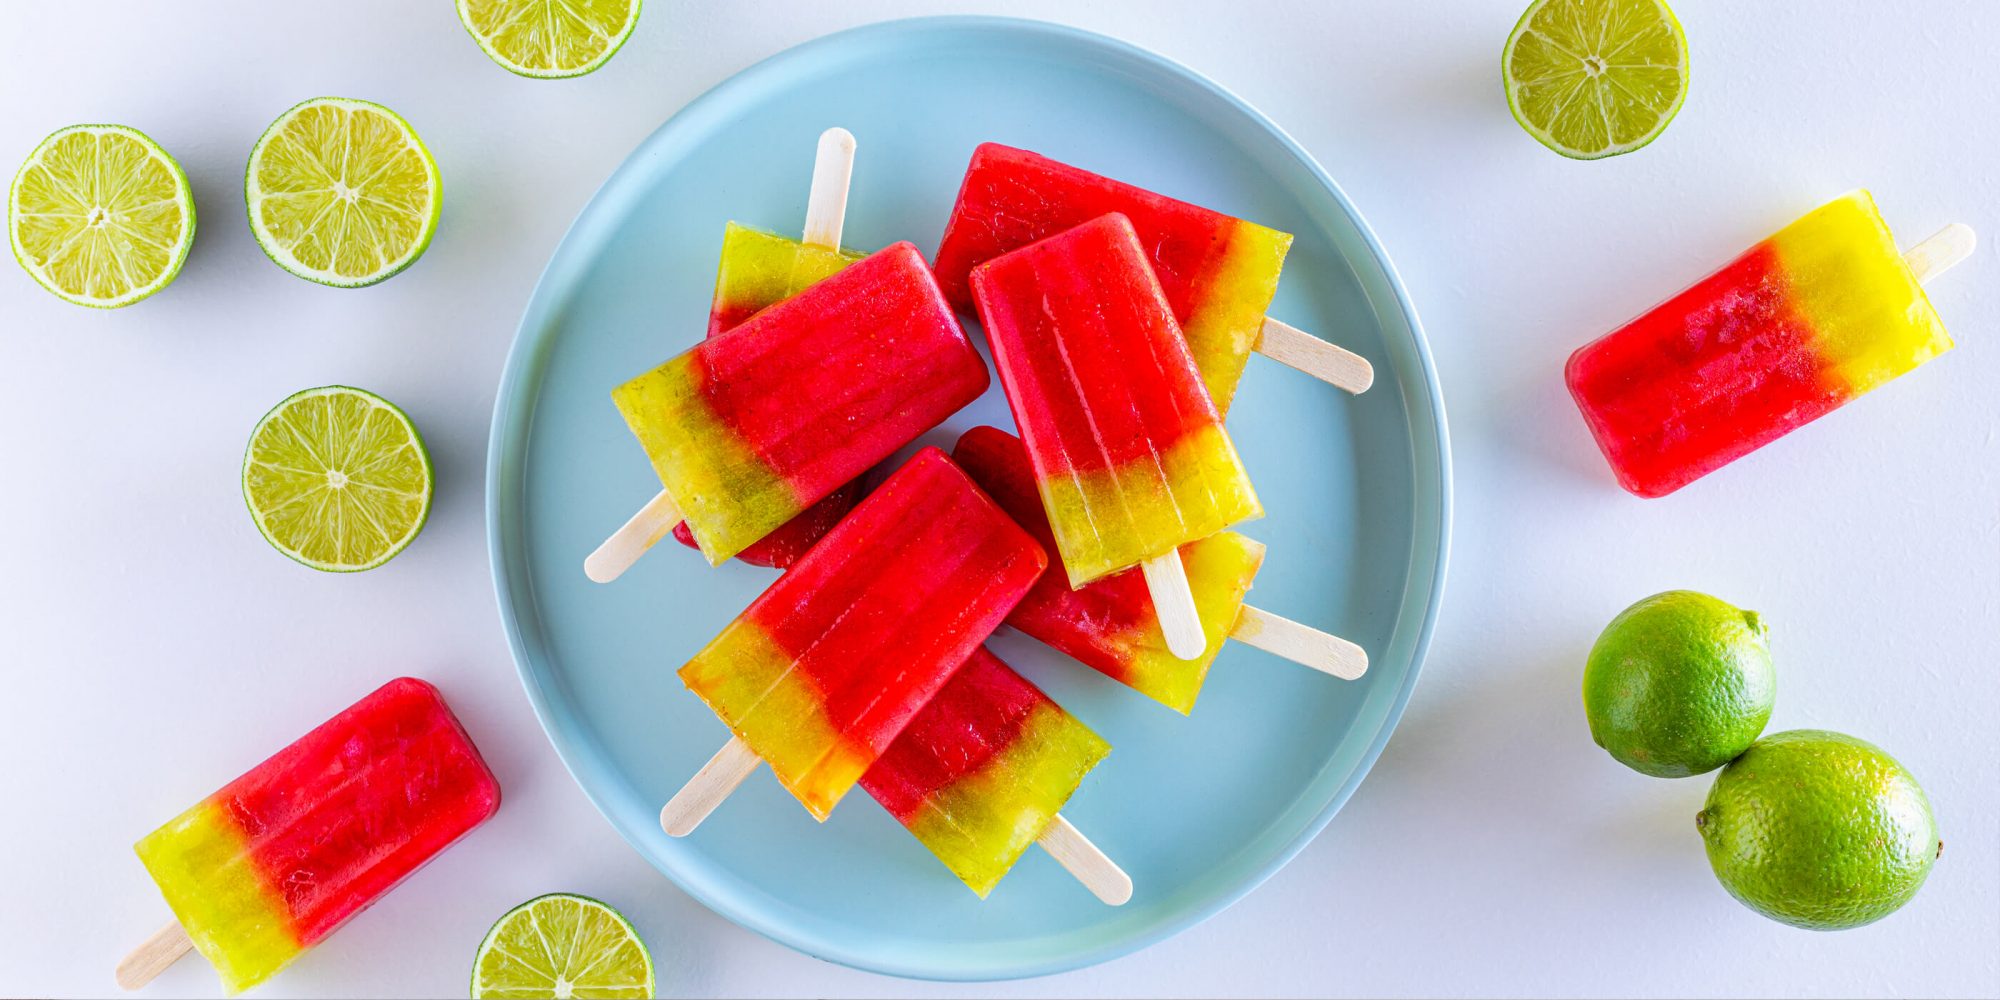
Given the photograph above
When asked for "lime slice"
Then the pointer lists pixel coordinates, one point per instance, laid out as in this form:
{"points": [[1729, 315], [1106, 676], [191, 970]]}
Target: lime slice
{"points": [[561, 945], [101, 215], [1596, 78], [342, 192], [550, 39], [337, 478]]}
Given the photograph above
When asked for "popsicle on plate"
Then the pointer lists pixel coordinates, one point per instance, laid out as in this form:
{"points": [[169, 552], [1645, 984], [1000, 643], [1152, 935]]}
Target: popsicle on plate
{"points": [[760, 270], [1804, 321], [1217, 272], [749, 429], [822, 672], [1110, 625], [278, 859], [1131, 460], [983, 770]]}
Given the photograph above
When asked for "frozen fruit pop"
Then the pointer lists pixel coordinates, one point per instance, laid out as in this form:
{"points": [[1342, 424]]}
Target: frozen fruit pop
{"points": [[1130, 457], [1798, 325], [984, 769], [1110, 625], [1217, 272], [281, 857], [760, 270], [821, 672], [749, 429]]}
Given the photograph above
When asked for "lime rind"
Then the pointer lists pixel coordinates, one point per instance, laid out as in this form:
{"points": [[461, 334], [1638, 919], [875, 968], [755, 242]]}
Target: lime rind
{"points": [[177, 254], [1553, 54], [494, 961], [272, 244], [469, 11], [395, 546]]}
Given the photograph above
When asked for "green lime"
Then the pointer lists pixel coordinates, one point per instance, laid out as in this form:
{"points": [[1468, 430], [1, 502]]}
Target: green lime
{"points": [[342, 192], [561, 945], [337, 478], [101, 215], [1679, 684], [1596, 78], [550, 39], [1819, 830]]}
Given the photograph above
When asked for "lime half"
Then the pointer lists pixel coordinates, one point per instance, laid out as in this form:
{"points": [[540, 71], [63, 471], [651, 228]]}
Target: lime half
{"points": [[342, 192], [561, 945], [337, 478], [550, 39], [1596, 78], [101, 215]]}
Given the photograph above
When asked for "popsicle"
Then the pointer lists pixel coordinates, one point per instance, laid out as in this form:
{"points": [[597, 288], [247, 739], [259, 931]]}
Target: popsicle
{"points": [[819, 675], [281, 857], [749, 429], [983, 771], [1130, 456], [1219, 273], [1814, 316], [1110, 625]]}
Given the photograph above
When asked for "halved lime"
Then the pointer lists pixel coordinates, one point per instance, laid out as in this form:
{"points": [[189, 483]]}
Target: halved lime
{"points": [[550, 39], [562, 945], [342, 192], [337, 478], [101, 215], [1596, 78]]}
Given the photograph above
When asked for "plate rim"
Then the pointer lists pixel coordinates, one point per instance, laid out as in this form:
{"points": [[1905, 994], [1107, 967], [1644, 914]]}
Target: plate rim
{"points": [[507, 438]]}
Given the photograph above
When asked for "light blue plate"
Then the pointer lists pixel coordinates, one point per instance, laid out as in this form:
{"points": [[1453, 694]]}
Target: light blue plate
{"points": [[1199, 810]]}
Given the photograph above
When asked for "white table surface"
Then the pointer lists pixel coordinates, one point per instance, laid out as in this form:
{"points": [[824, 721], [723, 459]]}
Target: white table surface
{"points": [[156, 646]]}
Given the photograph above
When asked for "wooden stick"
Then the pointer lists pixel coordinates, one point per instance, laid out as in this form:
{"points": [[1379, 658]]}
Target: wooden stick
{"points": [[1075, 852], [652, 523], [826, 216], [1173, 603], [833, 172], [1285, 343], [709, 786], [147, 961], [1300, 644], [1942, 252]]}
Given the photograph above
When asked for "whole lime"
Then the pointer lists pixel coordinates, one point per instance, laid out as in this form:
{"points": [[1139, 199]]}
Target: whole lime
{"points": [[1679, 684], [1819, 830]]}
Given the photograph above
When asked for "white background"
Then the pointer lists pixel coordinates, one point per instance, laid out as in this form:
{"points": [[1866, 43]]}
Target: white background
{"points": [[155, 646]]}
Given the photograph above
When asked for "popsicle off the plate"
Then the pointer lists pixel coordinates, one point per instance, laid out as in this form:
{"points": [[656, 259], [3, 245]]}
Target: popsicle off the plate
{"points": [[983, 771], [1803, 322], [268, 866], [1110, 625], [1131, 459], [1218, 272], [819, 675]]}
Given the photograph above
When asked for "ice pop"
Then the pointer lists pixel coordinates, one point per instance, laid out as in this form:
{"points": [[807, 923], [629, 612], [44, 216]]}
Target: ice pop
{"points": [[1110, 625], [1130, 456], [1218, 273], [984, 769], [760, 270], [821, 672], [749, 429], [1803, 322], [281, 857]]}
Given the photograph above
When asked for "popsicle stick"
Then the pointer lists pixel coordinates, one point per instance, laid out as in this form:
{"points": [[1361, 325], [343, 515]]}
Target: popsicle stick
{"points": [[653, 522], [1075, 852], [147, 961], [1173, 602], [833, 172], [1287, 344], [826, 216], [1945, 250], [1301, 644], [709, 786]]}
